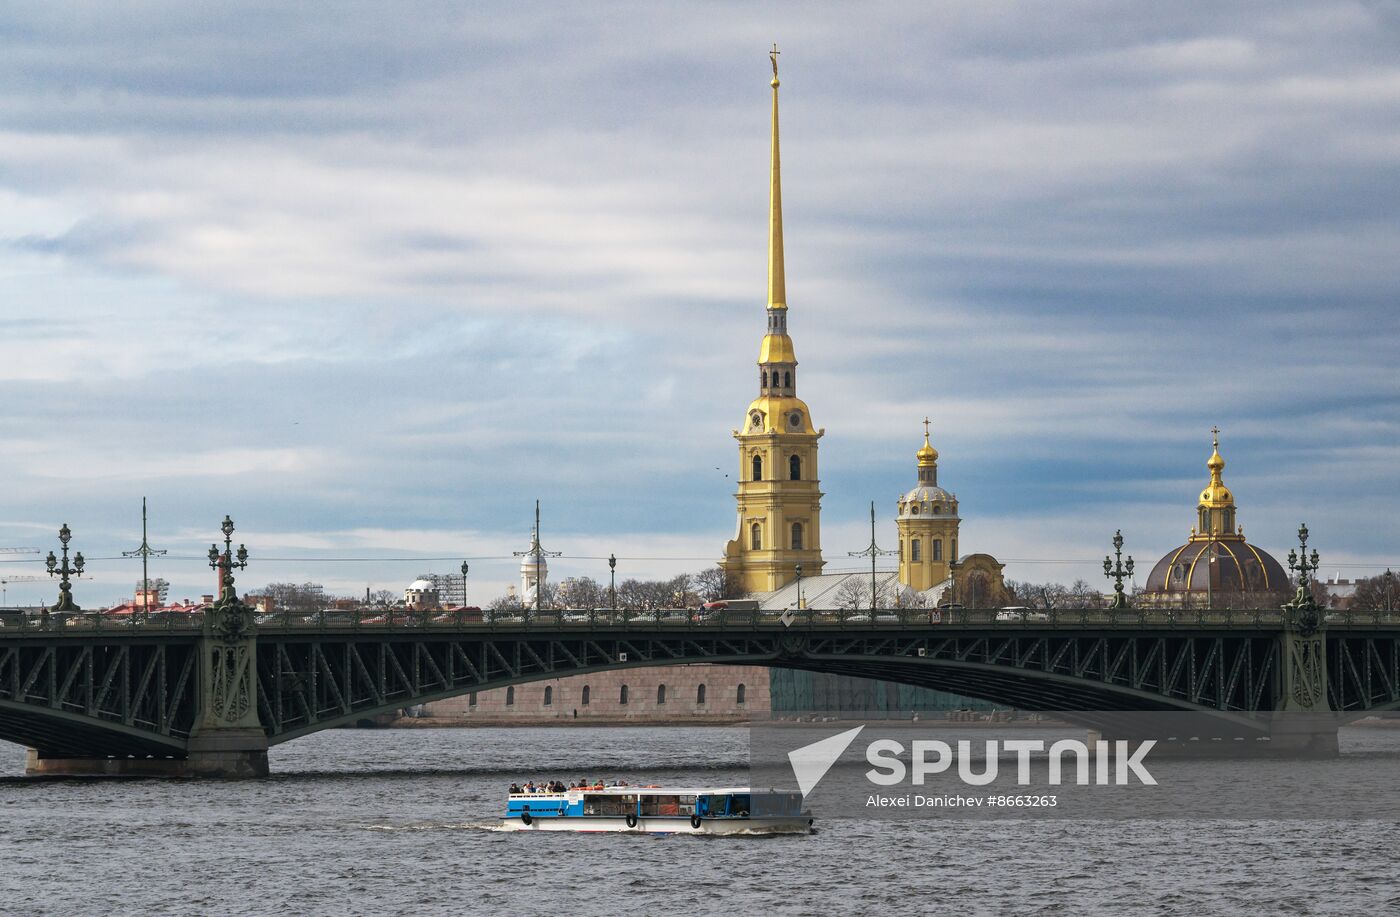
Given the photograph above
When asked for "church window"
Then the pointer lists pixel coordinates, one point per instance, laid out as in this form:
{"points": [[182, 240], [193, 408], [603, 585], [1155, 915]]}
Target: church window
{"points": [[915, 551], [700, 695], [740, 695], [938, 549], [758, 468], [510, 696], [914, 509], [765, 378], [548, 696], [787, 380], [622, 695], [587, 694], [937, 508], [797, 536], [756, 537], [660, 694], [794, 468]]}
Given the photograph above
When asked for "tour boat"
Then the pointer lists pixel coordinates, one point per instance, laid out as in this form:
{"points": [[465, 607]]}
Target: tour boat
{"points": [[658, 810]]}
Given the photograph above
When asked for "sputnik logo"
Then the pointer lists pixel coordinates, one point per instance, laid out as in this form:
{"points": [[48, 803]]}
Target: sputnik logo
{"points": [[811, 762]]}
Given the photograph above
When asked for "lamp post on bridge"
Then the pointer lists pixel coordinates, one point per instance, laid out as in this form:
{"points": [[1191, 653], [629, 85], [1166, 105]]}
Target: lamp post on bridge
{"points": [[872, 552], [464, 583], [799, 587], [65, 591], [612, 581], [1117, 571], [1304, 608], [226, 563]]}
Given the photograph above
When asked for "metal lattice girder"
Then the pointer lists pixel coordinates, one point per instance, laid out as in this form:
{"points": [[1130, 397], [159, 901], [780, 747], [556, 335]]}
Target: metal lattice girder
{"points": [[101, 690]]}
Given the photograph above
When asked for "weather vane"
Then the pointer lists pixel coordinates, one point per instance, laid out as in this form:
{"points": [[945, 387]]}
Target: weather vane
{"points": [[773, 56]]}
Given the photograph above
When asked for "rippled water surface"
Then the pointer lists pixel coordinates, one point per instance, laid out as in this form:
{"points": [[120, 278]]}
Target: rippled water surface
{"points": [[399, 822]]}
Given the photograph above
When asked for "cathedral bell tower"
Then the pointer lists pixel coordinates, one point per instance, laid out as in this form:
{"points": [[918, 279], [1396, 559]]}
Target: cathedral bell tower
{"points": [[928, 526], [779, 498]]}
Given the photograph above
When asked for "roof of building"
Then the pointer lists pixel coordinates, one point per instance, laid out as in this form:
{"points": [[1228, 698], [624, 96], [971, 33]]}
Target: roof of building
{"points": [[824, 591]]}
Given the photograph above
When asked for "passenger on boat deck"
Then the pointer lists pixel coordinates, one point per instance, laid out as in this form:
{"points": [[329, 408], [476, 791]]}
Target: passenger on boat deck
{"points": [[514, 788]]}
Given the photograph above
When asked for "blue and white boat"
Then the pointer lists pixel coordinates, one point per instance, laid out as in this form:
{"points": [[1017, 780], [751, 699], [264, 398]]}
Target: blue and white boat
{"points": [[658, 810]]}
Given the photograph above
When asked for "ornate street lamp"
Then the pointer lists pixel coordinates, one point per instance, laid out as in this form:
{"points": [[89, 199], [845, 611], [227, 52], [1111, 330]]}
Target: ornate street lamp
{"points": [[612, 581], [227, 562], [1117, 571], [799, 587], [65, 591], [1304, 607], [464, 583]]}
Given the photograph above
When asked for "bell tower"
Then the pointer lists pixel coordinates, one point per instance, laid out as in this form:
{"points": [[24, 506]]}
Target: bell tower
{"points": [[779, 496]]}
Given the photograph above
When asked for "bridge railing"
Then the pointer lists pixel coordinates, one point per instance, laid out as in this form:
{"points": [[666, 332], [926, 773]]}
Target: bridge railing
{"points": [[373, 619]]}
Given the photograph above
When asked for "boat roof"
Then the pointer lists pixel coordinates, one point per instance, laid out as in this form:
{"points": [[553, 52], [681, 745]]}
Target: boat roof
{"points": [[641, 791]]}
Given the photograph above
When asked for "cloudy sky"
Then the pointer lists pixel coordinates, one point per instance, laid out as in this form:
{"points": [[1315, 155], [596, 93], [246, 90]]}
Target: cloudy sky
{"points": [[372, 278]]}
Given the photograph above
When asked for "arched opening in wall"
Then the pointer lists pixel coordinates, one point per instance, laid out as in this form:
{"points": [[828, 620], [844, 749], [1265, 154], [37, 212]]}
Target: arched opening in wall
{"points": [[660, 694], [700, 695], [765, 379], [471, 699], [787, 380], [741, 695], [587, 695], [797, 536], [794, 468], [548, 695], [915, 551], [622, 695], [510, 696], [758, 468], [756, 537]]}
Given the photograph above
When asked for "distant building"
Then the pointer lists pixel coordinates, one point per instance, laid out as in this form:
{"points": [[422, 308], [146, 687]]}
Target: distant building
{"points": [[421, 595]]}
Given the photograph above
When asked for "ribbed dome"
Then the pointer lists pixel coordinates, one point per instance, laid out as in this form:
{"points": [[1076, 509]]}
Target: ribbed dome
{"points": [[1238, 567], [928, 500]]}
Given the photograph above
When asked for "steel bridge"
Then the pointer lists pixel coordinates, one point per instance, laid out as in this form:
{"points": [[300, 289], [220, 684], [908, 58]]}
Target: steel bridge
{"points": [[93, 694]]}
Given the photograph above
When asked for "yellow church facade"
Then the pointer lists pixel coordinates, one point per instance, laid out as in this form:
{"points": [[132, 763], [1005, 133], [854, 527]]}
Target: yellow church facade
{"points": [[779, 495]]}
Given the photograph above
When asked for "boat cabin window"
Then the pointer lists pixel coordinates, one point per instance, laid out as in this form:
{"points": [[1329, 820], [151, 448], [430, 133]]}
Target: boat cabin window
{"points": [[609, 805], [668, 805]]}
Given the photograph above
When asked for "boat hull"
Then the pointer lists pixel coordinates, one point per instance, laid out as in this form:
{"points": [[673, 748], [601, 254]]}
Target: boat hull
{"points": [[663, 825]]}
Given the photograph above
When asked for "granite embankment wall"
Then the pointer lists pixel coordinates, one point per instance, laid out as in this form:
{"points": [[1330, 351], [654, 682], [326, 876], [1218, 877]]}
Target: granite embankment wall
{"points": [[663, 694]]}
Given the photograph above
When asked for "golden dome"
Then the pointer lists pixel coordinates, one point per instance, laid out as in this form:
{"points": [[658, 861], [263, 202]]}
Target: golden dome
{"points": [[927, 455], [1216, 493]]}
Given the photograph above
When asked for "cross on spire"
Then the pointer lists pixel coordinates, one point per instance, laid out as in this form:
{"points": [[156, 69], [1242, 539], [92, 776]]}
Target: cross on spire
{"points": [[925, 426], [773, 56], [1215, 436]]}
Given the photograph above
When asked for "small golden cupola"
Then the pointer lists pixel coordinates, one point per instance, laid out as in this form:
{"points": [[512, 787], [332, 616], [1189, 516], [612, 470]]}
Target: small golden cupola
{"points": [[1216, 511]]}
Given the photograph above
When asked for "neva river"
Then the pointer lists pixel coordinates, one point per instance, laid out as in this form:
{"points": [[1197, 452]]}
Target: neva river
{"points": [[398, 822]]}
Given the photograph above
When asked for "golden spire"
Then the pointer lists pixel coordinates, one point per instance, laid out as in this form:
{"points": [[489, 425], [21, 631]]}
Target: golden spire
{"points": [[927, 455], [777, 286]]}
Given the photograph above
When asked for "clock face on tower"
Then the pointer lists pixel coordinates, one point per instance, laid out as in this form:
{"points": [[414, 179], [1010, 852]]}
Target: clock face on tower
{"points": [[756, 420], [795, 420]]}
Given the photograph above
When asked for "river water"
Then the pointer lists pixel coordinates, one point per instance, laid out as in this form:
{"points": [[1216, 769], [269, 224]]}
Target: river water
{"points": [[399, 822]]}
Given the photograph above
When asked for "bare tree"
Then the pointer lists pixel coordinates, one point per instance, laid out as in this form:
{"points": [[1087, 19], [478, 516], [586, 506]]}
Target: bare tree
{"points": [[296, 597], [1376, 593], [582, 592], [715, 584], [853, 594], [506, 603]]}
